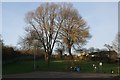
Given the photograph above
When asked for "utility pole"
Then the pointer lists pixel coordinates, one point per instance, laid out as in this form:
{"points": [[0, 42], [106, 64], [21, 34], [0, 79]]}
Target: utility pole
{"points": [[35, 46]]}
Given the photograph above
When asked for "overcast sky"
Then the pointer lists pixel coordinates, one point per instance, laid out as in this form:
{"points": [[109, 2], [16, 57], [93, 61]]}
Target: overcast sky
{"points": [[101, 17]]}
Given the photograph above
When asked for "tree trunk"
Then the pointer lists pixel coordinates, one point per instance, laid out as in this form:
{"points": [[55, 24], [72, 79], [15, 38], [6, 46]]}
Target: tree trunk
{"points": [[47, 58], [60, 55], [71, 56]]}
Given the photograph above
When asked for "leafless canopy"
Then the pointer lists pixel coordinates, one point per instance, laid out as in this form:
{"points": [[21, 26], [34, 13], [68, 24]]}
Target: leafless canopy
{"points": [[74, 31], [51, 22], [116, 44]]}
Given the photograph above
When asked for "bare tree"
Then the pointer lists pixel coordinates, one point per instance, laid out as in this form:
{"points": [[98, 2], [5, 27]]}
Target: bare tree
{"points": [[46, 22], [51, 22], [75, 31], [108, 47], [116, 44], [28, 41]]}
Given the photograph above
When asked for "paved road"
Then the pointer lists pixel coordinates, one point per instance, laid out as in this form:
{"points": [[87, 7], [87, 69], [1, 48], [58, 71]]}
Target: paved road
{"points": [[58, 75]]}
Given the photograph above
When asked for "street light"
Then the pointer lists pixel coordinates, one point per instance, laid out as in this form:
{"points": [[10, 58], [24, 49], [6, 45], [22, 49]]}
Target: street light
{"points": [[100, 64], [94, 67], [35, 43]]}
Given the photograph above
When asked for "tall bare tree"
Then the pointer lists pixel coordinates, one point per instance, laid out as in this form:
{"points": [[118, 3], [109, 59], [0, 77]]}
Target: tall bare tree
{"points": [[75, 31], [46, 22]]}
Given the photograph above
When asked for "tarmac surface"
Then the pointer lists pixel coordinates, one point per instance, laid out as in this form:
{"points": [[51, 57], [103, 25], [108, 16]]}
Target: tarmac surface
{"points": [[59, 75]]}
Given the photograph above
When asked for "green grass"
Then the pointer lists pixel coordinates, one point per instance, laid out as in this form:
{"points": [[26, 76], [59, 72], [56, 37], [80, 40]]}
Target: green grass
{"points": [[18, 67], [59, 65]]}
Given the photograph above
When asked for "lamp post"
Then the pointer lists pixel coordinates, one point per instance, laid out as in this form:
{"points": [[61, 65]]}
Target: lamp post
{"points": [[35, 43]]}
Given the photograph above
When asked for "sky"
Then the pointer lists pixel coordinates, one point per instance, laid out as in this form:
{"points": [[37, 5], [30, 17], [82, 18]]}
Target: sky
{"points": [[60, 0], [101, 17]]}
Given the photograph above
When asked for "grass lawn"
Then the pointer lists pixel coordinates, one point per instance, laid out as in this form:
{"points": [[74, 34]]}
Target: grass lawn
{"points": [[27, 66]]}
